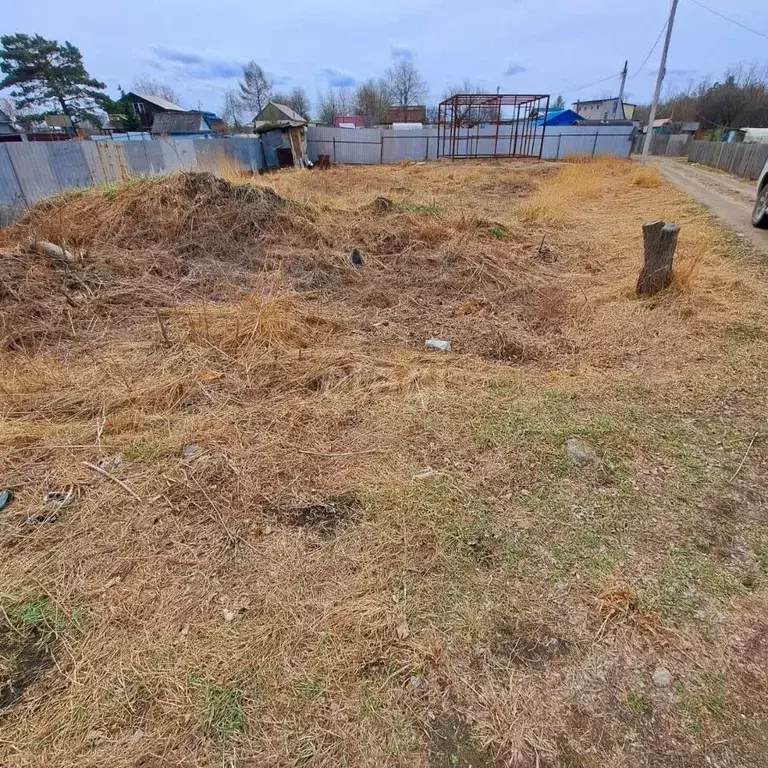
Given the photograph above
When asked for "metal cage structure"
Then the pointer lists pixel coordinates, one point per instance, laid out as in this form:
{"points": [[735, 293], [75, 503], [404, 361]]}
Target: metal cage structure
{"points": [[491, 125]]}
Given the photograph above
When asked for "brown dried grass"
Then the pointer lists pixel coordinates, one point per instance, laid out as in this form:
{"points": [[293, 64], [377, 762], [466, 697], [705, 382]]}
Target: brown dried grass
{"points": [[303, 381]]}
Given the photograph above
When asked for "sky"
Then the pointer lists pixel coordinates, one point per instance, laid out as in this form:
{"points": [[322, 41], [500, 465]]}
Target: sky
{"points": [[198, 47]]}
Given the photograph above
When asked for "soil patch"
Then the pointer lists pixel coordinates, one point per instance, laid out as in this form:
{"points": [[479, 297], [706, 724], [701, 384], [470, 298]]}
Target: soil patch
{"points": [[23, 658], [451, 746], [323, 516]]}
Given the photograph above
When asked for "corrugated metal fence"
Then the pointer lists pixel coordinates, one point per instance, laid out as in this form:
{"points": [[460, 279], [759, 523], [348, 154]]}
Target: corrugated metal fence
{"points": [[30, 171], [383, 145]]}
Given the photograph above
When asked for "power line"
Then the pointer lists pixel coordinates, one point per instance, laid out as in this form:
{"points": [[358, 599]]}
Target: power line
{"points": [[650, 53], [589, 85], [728, 18]]}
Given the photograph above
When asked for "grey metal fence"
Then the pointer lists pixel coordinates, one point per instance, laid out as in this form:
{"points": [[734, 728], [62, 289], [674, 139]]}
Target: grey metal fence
{"points": [[384, 145], [746, 160], [30, 171]]}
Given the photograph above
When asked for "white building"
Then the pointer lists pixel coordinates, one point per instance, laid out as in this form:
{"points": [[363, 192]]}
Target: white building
{"points": [[605, 109]]}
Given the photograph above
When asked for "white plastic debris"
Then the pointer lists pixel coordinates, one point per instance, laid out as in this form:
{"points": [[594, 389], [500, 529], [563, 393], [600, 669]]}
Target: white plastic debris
{"points": [[439, 344]]}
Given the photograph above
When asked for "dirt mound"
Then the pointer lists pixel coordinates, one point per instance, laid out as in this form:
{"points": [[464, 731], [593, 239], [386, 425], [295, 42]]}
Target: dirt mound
{"points": [[188, 213]]}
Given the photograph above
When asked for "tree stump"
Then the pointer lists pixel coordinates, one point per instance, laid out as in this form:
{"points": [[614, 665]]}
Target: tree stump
{"points": [[659, 243]]}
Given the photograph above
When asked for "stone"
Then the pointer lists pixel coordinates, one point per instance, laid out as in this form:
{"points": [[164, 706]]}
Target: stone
{"points": [[662, 677], [441, 345], [582, 452]]}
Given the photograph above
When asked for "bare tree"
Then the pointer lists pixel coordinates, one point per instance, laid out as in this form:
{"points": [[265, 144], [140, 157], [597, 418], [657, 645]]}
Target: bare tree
{"points": [[371, 101], [148, 85], [333, 103], [297, 100], [405, 84], [232, 108], [472, 115], [255, 87]]}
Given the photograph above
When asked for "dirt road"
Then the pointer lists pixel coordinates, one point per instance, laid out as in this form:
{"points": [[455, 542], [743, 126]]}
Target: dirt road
{"points": [[728, 197]]}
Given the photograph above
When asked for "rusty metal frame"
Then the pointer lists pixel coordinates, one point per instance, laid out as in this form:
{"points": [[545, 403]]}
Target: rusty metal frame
{"points": [[461, 116]]}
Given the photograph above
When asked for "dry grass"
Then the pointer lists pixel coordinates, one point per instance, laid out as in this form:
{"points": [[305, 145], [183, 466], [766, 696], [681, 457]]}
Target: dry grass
{"points": [[647, 177], [294, 588]]}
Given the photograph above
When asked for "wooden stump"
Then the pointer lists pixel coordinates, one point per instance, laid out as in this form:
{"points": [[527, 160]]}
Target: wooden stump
{"points": [[659, 243]]}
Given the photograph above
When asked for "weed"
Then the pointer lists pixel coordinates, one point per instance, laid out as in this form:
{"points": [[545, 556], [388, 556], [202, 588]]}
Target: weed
{"points": [[638, 703], [39, 615], [224, 715], [497, 232], [143, 450], [308, 689], [418, 208]]}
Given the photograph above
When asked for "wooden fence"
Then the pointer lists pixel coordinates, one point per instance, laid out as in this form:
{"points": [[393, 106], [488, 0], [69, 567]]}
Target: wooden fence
{"points": [[746, 160]]}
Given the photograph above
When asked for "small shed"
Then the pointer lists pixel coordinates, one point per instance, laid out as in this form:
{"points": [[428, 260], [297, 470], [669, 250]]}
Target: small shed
{"points": [[283, 136]]}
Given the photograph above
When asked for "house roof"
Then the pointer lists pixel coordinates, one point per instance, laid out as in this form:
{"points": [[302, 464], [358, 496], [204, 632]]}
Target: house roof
{"points": [[158, 101], [289, 113], [4, 118], [661, 121], [173, 122], [559, 117]]}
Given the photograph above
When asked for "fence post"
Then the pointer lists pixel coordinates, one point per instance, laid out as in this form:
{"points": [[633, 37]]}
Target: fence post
{"points": [[594, 146], [334, 150], [426, 154], [381, 148], [557, 154]]}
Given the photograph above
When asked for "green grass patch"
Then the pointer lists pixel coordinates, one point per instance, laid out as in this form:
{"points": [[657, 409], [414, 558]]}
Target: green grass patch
{"points": [[685, 581], [497, 232], [421, 209], [222, 707], [142, 450], [637, 703], [42, 616]]}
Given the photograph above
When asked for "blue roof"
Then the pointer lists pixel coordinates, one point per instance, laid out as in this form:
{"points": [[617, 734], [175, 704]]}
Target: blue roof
{"points": [[559, 117]]}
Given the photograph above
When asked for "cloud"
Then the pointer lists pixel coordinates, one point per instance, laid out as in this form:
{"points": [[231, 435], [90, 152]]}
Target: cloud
{"points": [[198, 64], [337, 78], [513, 68], [401, 52]]}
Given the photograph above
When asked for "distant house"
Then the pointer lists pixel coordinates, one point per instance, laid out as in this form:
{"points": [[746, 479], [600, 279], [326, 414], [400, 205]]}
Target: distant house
{"points": [[146, 106], [6, 124], [203, 124], [689, 127], [605, 109], [349, 121], [283, 136], [415, 114], [662, 125]]}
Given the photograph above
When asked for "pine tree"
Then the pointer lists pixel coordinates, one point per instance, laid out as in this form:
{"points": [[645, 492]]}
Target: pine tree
{"points": [[47, 76]]}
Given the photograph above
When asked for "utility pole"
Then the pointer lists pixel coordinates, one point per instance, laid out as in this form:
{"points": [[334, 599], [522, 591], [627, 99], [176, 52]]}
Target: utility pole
{"points": [[659, 80], [620, 105]]}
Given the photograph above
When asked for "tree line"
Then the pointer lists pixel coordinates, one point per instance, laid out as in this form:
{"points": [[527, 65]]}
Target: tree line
{"points": [[45, 76], [738, 100]]}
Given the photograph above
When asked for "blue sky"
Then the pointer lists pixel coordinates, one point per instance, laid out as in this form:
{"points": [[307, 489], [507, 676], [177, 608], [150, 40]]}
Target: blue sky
{"points": [[198, 46]]}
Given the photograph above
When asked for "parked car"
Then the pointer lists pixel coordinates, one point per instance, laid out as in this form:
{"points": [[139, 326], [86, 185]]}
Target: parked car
{"points": [[760, 212]]}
